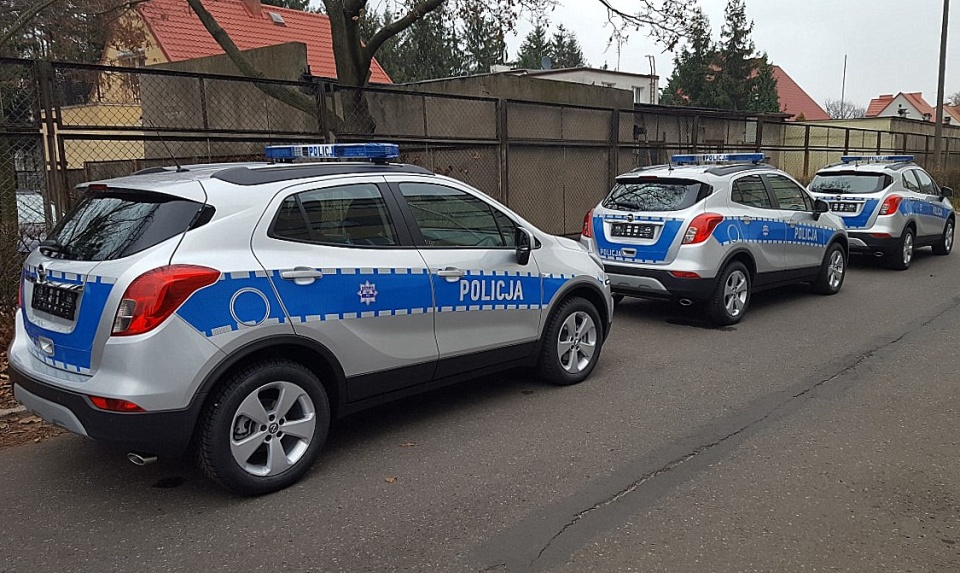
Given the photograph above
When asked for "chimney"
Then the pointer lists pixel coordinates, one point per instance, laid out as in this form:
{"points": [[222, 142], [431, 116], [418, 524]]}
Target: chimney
{"points": [[252, 6]]}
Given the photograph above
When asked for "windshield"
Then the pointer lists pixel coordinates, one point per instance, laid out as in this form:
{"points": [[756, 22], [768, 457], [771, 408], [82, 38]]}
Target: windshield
{"points": [[111, 225], [850, 183], [656, 195]]}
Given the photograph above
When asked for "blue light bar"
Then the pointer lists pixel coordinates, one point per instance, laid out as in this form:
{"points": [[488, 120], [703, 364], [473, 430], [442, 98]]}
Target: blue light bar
{"points": [[372, 151], [714, 158], [876, 158]]}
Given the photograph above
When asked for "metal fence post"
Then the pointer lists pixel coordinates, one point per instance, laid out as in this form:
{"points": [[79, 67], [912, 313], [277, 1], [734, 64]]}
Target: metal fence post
{"points": [[759, 135], [806, 153], [56, 182], [613, 159], [503, 148]]}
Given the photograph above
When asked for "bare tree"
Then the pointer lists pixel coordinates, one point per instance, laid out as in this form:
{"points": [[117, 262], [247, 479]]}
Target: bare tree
{"points": [[954, 99], [842, 109]]}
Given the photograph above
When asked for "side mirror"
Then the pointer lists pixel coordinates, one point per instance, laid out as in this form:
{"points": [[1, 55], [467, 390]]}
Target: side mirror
{"points": [[819, 208], [946, 192], [525, 242]]}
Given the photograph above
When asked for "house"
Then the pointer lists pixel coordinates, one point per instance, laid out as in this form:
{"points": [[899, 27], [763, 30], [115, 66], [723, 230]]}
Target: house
{"points": [[795, 101], [911, 106], [645, 88], [174, 33]]}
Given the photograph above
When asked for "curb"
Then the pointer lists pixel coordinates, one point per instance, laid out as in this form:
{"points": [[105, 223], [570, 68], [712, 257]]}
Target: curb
{"points": [[12, 412]]}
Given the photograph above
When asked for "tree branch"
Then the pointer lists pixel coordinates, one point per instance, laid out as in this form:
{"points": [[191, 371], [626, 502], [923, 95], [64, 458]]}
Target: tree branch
{"points": [[25, 19], [285, 94], [397, 26]]}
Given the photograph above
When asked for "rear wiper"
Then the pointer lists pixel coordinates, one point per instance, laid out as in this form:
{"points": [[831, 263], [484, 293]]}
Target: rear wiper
{"points": [[50, 247]]}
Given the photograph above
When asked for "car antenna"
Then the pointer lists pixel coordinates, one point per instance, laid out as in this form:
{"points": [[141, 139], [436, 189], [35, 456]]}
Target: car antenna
{"points": [[149, 123]]}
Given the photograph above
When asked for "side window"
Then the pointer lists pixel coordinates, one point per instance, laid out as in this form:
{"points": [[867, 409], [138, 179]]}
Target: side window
{"points": [[750, 191], [350, 215], [449, 217], [790, 196], [910, 182], [926, 183]]}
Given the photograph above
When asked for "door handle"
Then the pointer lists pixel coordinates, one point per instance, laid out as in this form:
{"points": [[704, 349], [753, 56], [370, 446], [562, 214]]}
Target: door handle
{"points": [[452, 274], [301, 275], [746, 219]]}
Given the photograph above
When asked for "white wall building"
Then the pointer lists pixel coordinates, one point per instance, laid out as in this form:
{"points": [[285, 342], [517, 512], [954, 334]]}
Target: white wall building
{"points": [[645, 88]]}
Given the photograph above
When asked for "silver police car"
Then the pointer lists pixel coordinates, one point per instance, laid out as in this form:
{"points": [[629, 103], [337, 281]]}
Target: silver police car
{"points": [[890, 206], [241, 307], [712, 229]]}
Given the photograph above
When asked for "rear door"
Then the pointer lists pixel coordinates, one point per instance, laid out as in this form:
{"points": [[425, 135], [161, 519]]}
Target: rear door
{"points": [[641, 219], [487, 305], [760, 225], [111, 234], [350, 278]]}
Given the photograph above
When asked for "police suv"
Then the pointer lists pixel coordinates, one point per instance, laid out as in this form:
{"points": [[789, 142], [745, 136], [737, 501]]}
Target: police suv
{"points": [[890, 206], [713, 229], [241, 307]]}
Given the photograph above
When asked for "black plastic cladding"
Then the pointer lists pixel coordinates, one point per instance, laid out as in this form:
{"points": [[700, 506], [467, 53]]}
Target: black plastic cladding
{"points": [[262, 175]]}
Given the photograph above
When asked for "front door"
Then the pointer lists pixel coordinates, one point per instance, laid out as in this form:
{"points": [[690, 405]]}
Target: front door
{"points": [[487, 306], [759, 226], [805, 238]]}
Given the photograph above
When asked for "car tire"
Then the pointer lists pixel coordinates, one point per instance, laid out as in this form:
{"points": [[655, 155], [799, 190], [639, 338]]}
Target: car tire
{"points": [[571, 343], [901, 258], [945, 245], [832, 271], [731, 296], [263, 428]]}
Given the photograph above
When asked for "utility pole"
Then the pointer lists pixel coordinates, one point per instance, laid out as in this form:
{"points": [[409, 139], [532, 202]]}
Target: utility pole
{"points": [[941, 95], [843, 90]]}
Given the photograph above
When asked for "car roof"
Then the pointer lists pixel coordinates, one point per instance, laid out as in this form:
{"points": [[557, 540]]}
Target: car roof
{"points": [[867, 167], [697, 172]]}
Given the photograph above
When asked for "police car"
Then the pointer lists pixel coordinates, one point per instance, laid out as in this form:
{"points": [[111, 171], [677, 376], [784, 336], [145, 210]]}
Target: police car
{"points": [[241, 307], [713, 229], [890, 206]]}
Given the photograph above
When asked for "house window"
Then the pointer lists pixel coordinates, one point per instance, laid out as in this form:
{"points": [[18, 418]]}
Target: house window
{"points": [[638, 95]]}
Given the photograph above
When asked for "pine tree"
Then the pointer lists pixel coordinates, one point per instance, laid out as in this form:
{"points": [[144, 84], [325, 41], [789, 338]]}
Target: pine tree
{"points": [[565, 49], [763, 95], [432, 48], [735, 59], [692, 75], [483, 43], [533, 49]]}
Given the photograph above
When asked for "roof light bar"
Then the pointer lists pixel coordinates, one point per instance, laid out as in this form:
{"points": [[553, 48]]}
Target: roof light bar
{"points": [[715, 158], [371, 151], [876, 158]]}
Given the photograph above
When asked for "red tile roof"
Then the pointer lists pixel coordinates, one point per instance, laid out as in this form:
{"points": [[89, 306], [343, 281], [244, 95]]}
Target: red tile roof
{"points": [[181, 36], [954, 111], [877, 105], [796, 101]]}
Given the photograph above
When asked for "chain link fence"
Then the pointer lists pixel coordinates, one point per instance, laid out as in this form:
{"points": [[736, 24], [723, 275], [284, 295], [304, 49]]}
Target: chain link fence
{"points": [[63, 124]]}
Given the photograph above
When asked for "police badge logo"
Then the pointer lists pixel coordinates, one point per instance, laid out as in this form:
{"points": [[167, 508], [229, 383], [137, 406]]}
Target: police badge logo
{"points": [[368, 293]]}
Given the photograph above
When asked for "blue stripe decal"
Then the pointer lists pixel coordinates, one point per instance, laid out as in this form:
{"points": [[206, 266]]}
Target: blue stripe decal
{"points": [[72, 351], [655, 253], [922, 208], [242, 300], [860, 221]]}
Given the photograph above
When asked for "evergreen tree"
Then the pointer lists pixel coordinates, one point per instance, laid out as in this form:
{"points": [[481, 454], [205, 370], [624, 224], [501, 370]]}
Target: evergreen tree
{"points": [[735, 60], [534, 48], [431, 49], [692, 73], [483, 43], [565, 49], [763, 94]]}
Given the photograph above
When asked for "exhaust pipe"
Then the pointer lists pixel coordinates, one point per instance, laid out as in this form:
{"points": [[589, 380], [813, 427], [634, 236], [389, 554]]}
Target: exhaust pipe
{"points": [[685, 302], [141, 459]]}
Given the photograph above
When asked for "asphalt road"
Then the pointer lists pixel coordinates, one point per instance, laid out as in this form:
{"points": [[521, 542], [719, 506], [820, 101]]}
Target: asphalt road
{"points": [[820, 434]]}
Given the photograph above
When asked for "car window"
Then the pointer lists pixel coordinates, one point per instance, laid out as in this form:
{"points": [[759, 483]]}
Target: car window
{"points": [[910, 181], [353, 215], [448, 217], [751, 191], [926, 183], [853, 183], [656, 194], [790, 196], [117, 223]]}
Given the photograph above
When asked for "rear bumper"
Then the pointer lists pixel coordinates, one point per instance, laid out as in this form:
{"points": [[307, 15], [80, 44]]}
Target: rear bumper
{"points": [[652, 283], [867, 243], [161, 433]]}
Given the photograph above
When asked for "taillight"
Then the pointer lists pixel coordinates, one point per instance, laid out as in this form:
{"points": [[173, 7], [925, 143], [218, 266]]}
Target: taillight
{"points": [[685, 274], [701, 227], [156, 294], [115, 405], [890, 205], [587, 229]]}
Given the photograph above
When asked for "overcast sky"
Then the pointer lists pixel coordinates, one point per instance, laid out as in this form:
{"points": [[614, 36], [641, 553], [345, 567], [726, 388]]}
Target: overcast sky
{"points": [[892, 45]]}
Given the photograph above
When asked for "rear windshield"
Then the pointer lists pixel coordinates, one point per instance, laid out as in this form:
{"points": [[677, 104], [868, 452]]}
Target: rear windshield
{"points": [[114, 224], [656, 195], [852, 183]]}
